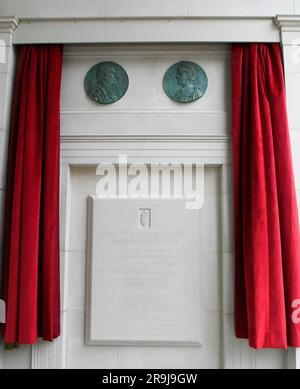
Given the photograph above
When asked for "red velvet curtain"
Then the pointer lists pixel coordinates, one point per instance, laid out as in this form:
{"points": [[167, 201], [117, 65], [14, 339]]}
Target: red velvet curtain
{"points": [[31, 241], [267, 240]]}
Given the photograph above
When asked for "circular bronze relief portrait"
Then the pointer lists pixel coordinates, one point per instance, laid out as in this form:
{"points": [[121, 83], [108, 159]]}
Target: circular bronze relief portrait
{"points": [[185, 81], [106, 82]]}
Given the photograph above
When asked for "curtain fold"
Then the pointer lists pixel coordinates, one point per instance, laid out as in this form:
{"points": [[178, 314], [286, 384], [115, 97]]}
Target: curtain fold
{"points": [[31, 236], [267, 240]]}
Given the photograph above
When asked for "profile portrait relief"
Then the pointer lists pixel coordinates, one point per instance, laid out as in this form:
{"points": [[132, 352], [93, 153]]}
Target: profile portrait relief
{"points": [[185, 82], [106, 82]]}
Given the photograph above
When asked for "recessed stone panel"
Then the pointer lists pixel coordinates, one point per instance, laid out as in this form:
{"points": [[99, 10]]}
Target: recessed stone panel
{"points": [[144, 272]]}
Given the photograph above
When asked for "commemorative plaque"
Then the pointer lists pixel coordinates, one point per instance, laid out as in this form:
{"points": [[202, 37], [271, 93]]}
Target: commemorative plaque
{"points": [[144, 273], [106, 82], [185, 82]]}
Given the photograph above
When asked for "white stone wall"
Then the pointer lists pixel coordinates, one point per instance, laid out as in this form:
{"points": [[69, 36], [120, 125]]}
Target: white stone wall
{"points": [[138, 8], [122, 119], [152, 113]]}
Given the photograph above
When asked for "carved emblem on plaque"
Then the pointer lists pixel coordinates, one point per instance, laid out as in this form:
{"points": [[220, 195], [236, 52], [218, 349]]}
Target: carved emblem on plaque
{"points": [[106, 82], [144, 217], [185, 81]]}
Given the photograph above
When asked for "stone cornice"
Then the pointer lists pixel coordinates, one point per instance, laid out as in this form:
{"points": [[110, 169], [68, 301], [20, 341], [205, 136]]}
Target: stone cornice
{"points": [[288, 22], [8, 24], [146, 30], [289, 26], [222, 138]]}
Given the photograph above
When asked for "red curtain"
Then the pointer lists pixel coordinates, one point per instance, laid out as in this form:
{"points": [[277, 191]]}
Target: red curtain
{"points": [[267, 240], [31, 241]]}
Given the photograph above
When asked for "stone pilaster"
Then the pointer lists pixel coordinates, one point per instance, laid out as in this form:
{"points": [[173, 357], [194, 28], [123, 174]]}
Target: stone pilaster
{"points": [[7, 70], [290, 40]]}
